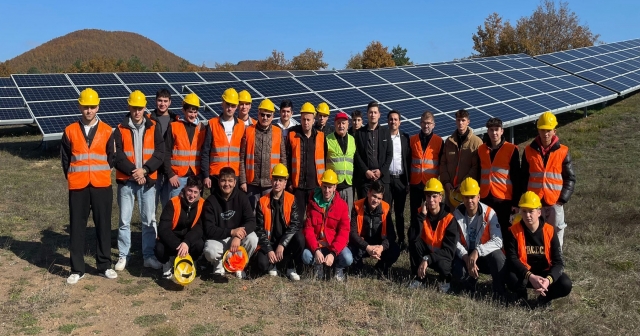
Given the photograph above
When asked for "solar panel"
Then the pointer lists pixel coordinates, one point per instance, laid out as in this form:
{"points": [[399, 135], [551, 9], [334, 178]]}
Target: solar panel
{"points": [[216, 76], [322, 83], [93, 79], [41, 80], [140, 77], [181, 77], [108, 91], [278, 86], [362, 78], [396, 75], [6, 82], [246, 75], [49, 93]]}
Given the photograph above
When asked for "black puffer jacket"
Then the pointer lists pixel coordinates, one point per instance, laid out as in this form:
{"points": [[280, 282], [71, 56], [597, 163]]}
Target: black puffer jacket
{"points": [[184, 231], [289, 231], [568, 175], [371, 228], [451, 235]]}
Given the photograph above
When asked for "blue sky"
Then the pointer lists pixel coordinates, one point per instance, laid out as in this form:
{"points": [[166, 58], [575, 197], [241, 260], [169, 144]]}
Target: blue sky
{"points": [[219, 31]]}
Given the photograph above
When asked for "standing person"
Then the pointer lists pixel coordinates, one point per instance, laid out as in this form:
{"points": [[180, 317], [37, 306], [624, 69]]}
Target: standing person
{"points": [[436, 245], [278, 228], [183, 142], [499, 174], [244, 107], [305, 157], [340, 149], [547, 170], [163, 117], [356, 119], [372, 234], [139, 154], [262, 148], [221, 146], [87, 153], [374, 153], [285, 122], [326, 229], [228, 222], [534, 254], [460, 158], [399, 172], [322, 116]]}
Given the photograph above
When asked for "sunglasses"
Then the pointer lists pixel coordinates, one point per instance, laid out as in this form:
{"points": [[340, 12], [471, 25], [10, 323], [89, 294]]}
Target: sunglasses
{"points": [[265, 115]]}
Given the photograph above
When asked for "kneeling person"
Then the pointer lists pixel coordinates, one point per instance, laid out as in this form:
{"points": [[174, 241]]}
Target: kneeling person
{"points": [[278, 228], [372, 233], [180, 229]]}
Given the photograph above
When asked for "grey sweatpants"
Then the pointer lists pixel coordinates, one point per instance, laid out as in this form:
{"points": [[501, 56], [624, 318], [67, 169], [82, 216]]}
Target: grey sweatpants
{"points": [[554, 215], [215, 249]]}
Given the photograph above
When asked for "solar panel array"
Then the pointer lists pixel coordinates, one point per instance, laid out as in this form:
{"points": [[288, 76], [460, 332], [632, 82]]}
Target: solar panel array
{"points": [[12, 108]]}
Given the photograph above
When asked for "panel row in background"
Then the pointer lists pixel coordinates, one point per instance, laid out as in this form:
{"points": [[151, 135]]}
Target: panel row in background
{"points": [[12, 108]]}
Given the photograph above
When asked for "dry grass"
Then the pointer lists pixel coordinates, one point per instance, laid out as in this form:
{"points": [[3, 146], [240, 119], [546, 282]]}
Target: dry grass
{"points": [[601, 247]]}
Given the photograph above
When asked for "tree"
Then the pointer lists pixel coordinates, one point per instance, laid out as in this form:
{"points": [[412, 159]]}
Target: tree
{"points": [[308, 60], [33, 70], [376, 56], [5, 70], [135, 64], [354, 62], [226, 66], [276, 61], [158, 66], [399, 56]]}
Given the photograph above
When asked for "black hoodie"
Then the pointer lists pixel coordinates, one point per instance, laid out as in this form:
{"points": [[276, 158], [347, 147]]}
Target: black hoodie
{"points": [[450, 240], [220, 216]]}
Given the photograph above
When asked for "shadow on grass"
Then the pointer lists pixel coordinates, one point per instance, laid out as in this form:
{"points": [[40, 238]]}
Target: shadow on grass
{"points": [[26, 142]]}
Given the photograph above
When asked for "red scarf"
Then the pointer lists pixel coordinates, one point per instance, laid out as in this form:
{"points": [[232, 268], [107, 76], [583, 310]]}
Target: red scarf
{"points": [[544, 150]]}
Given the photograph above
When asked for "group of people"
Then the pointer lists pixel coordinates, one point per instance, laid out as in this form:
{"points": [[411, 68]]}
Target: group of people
{"points": [[289, 193]]}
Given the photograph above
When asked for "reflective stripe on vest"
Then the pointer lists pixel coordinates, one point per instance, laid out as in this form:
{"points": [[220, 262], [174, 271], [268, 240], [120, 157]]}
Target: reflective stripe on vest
{"points": [[494, 176], [225, 153], [185, 154], [359, 206], [250, 154], [517, 229], [88, 165], [296, 157], [433, 239], [425, 164], [486, 233], [265, 206], [546, 181], [148, 146], [341, 163], [177, 208]]}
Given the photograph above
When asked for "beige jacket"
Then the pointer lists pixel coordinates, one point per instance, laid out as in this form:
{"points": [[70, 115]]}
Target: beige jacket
{"points": [[465, 161]]}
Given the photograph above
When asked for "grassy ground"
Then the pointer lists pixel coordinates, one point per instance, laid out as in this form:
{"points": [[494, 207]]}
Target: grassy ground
{"points": [[602, 243]]}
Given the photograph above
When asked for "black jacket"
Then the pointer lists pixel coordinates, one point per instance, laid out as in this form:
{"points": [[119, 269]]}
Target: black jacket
{"points": [[172, 117], [385, 154], [568, 175], [289, 232], [371, 228], [65, 148], [183, 231], [514, 170], [220, 216], [327, 129], [125, 166], [451, 235]]}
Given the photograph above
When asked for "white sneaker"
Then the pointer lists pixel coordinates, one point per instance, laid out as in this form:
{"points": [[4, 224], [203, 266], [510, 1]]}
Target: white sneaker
{"points": [[319, 272], [109, 274], [340, 274], [292, 275], [444, 286], [120, 265], [74, 278], [152, 263], [273, 271], [415, 284], [241, 274], [166, 269]]}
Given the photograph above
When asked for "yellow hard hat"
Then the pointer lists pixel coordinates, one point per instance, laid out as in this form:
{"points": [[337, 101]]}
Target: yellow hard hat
{"points": [[137, 99], [547, 121], [234, 262], [191, 99], [308, 108], [516, 218], [184, 270], [469, 187], [230, 96], [434, 185], [455, 198], [329, 176], [323, 108], [244, 96], [530, 200], [266, 105], [89, 97], [280, 170]]}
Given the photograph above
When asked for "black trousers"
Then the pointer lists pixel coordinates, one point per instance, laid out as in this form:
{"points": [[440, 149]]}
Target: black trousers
{"points": [[363, 188], [302, 198], [98, 201], [503, 210], [398, 200], [493, 264], [416, 197], [419, 249], [164, 253], [561, 287], [387, 259], [292, 254]]}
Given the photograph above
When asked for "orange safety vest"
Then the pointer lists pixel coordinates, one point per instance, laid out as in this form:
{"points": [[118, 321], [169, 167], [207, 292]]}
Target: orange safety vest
{"points": [[249, 161], [177, 208], [425, 164], [359, 206], [517, 229], [434, 239], [224, 153], [265, 205], [546, 181], [88, 165], [486, 234], [185, 155], [296, 157], [148, 147], [494, 176]]}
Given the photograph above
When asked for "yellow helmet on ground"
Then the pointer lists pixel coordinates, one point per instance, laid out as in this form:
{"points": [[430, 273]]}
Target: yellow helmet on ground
{"points": [[244, 96], [230, 96], [323, 108], [469, 187], [89, 97], [137, 99], [308, 108], [434, 185], [267, 105], [455, 198], [191, 99], [234, 262], [329, 176], [547, 121], [184, 271], [530, 200], [280, 170]]}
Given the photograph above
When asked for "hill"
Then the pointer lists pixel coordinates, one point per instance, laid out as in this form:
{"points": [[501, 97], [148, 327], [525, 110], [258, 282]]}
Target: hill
{"points": [[62, 52]]}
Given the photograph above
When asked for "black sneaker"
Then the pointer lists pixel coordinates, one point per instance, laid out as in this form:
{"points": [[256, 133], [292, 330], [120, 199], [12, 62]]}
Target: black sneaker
{"points": [[219, 278]]}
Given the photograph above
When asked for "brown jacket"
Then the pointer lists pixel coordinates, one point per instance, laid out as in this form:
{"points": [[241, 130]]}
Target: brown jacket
{"points": [[263, 154], [465, 160]]}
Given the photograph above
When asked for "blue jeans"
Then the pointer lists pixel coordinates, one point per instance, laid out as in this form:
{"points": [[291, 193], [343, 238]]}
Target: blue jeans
{"points": [[344, 259], [173, 192], [127, 194], [162, 191]]}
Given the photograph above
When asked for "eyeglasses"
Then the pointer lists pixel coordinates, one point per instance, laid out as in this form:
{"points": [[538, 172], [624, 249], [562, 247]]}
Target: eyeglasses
{"points": [[266, 115]]}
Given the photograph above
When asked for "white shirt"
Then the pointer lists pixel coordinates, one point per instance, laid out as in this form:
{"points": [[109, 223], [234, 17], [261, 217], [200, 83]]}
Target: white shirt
{"points": [[228, 128], [396, 163], [285, 130]]}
